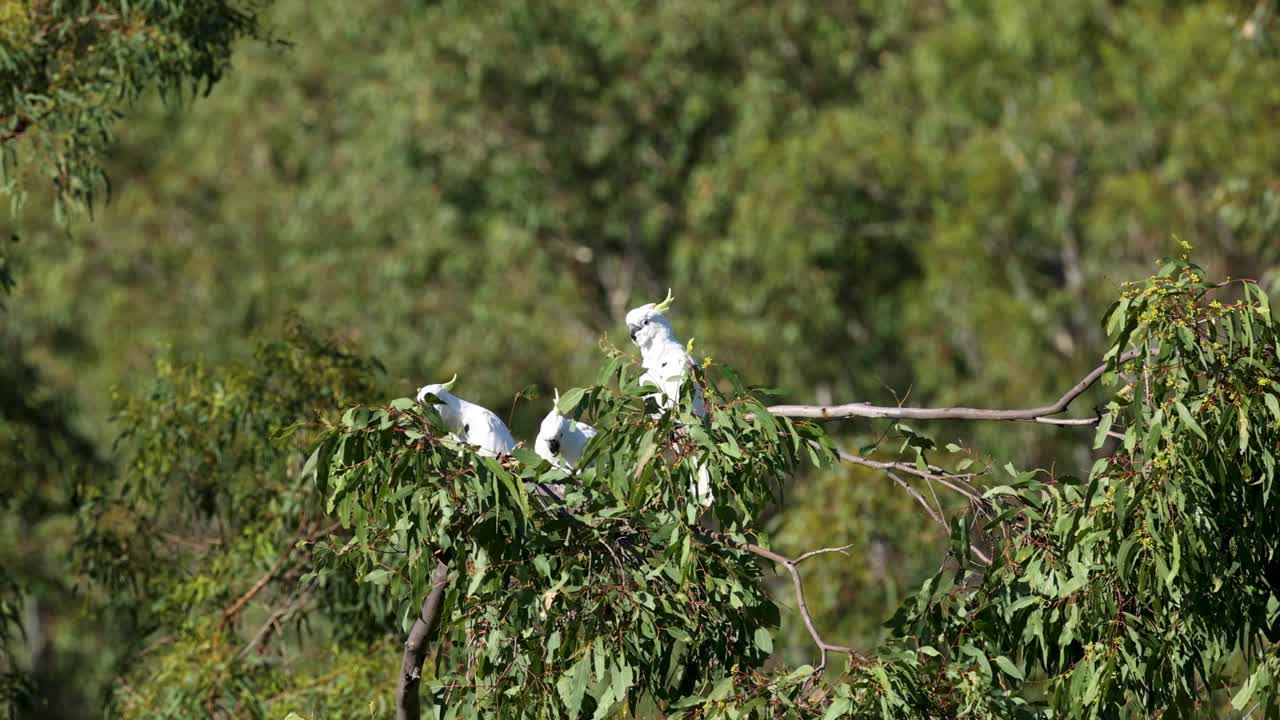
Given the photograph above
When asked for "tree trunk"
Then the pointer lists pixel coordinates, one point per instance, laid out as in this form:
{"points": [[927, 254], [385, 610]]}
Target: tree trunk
{"points": [[408, 704]]}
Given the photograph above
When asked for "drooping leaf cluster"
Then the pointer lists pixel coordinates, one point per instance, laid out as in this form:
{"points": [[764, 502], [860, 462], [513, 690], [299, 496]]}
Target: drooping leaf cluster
{"points": [[68, 69]]}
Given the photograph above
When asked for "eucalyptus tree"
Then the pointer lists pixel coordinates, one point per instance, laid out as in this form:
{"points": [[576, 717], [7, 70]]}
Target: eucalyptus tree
{"points": [[1146, 587]]}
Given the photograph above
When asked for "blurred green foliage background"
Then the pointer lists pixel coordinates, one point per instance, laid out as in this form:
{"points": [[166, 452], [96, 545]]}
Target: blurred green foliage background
{"points": [[881, 200]]}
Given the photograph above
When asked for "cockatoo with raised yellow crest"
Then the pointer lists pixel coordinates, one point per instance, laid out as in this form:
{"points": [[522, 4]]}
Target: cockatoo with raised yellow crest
{"points": [[666, 364], [560, 439], [469, 423], [666, 361]]}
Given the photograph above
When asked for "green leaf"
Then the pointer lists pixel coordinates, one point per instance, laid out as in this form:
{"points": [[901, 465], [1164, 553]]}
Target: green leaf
{"points": [[600, 659], [1174, 562], [801, 672], [1095, 678], [605, 703], [572, 685], [1263, 307], [318, 463], [377, 577], [878, 670], [973, 652], [730, 448], [723, 689], [516, 489], [764, 640], [623, 677], [356, 418], [570, 400], [1104, 426], [1189, 421], [1009, 667], [527, 456], [1099, 466], [1123, 555], [678, 633], [1242, 696], [648, 448], [838, 707], [1115, 316]]}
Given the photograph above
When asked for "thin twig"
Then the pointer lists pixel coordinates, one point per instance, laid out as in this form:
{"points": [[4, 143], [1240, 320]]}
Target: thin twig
{"points": [[909, 468], [811, 553], [797, 584], [919, 498], [937, 503], [230, 613], [888, 468], [272, 622], [985, 558]]}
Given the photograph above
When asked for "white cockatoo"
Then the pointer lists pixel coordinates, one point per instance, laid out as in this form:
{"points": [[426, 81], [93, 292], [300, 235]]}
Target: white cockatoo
{"points": [[561, 440], [666, 364], [469, 423]]}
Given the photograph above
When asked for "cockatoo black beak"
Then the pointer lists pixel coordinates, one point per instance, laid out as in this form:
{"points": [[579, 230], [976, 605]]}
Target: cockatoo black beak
{"points": [[633, 330], [554, 446]]}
